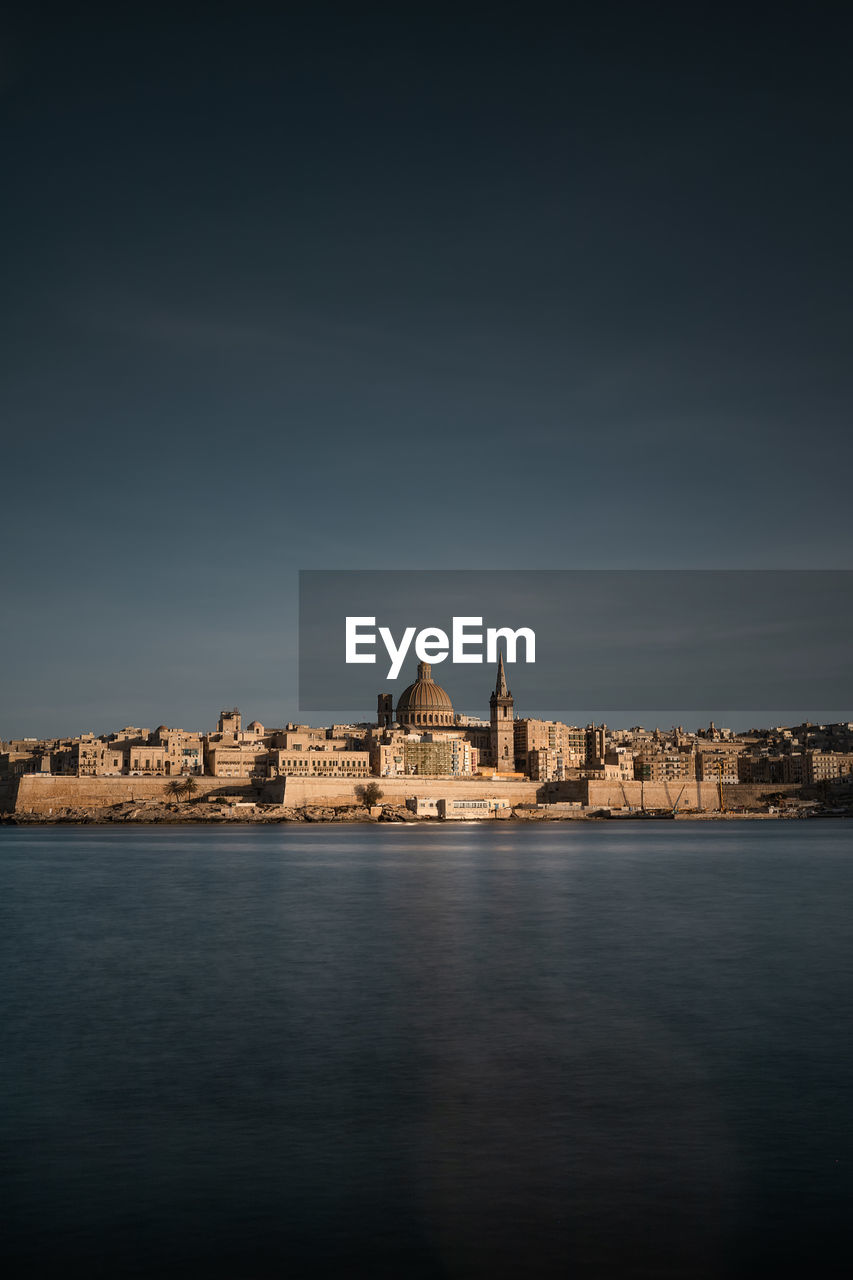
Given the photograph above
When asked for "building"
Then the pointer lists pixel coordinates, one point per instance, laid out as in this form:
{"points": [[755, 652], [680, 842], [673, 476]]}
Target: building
{"points": [[595, 739], [396, 754], [318, 763], [664, 766], [827, 766], [422, 705], [425, 707], [230, 722], [619, 763], [236, 760], [717, 764], [544, 750], [501, 724], [547, 749], [184, 750], [465, 810], [766, 767]]}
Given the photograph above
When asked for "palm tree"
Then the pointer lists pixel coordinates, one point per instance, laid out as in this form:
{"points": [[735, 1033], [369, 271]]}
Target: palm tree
{"points": [[190, 787], [175, 789]]}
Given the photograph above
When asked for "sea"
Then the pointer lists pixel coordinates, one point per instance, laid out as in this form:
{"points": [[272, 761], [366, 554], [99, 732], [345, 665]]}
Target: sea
{"points": [[608, 1049]]}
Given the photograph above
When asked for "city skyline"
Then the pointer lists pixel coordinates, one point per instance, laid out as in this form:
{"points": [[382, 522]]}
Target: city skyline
{"points": [[419, 732]]}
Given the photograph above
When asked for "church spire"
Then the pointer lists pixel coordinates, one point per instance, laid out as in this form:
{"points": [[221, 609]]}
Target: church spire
{"points": [[502, 736], [500, 688]]}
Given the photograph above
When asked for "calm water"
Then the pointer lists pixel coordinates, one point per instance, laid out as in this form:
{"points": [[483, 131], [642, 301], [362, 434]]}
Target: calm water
{"points": [[423, 1052]]}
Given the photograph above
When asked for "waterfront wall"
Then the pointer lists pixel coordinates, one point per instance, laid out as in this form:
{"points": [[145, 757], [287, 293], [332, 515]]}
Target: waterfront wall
{"points": [[8, 792], [700, 796], [297, 792], [43, 793], [695, 796]]}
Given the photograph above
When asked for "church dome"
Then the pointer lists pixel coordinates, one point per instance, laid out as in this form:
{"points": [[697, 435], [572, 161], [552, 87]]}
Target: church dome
{"points": [[424, 704]]}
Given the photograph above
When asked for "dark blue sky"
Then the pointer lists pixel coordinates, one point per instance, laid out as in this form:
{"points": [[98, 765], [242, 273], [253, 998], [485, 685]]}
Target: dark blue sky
{"points": [[375, 286]]}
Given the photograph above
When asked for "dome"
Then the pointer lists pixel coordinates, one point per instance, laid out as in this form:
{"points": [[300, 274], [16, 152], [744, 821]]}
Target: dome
{"points": [[424, 703]]}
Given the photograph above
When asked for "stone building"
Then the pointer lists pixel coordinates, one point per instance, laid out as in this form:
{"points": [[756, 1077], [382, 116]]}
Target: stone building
{"points": [[827, 766], [764, 767], [146, 758], [501, 718], [421, 705], [595, 740], [545, 750], [564, 744], [95, 757], [230, 722], [236, 759], [664, 766], [184, 750], [318, 764], [397, 754], [619, 763], [717, 764], [424, 706]]}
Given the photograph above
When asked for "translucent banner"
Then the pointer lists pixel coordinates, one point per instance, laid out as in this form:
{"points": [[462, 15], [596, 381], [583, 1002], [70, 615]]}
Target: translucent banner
{"points": [[597, 639]]}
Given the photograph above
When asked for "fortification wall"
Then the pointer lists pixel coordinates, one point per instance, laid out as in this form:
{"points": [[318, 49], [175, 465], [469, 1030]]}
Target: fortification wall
{"points": [[44, 794], [38, 793], [342, 791], [8, 791], [704, 796]]}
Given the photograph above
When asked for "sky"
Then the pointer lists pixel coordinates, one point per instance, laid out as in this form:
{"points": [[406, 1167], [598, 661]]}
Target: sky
{"points": [[384, 286]]}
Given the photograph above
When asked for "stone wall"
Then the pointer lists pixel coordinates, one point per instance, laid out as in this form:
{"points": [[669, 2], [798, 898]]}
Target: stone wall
{"points": [[38, 793], [702, 796], [8, 791], [342, 791], [43, 793]]}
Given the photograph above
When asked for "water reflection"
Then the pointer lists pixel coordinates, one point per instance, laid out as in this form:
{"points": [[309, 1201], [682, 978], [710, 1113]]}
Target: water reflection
{"points": [[426, 1052]]}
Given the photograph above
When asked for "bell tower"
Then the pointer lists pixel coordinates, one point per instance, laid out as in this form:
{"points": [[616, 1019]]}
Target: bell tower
{"points": [[385, 710], [502, 731]]}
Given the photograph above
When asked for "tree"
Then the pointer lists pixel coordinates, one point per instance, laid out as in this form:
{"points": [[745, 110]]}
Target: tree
{"points": [[175, 789], [190, 787], [369, 794]]}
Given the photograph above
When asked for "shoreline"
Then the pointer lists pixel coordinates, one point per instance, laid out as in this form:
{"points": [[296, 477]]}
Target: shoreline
{"points": [[300, 818]]}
